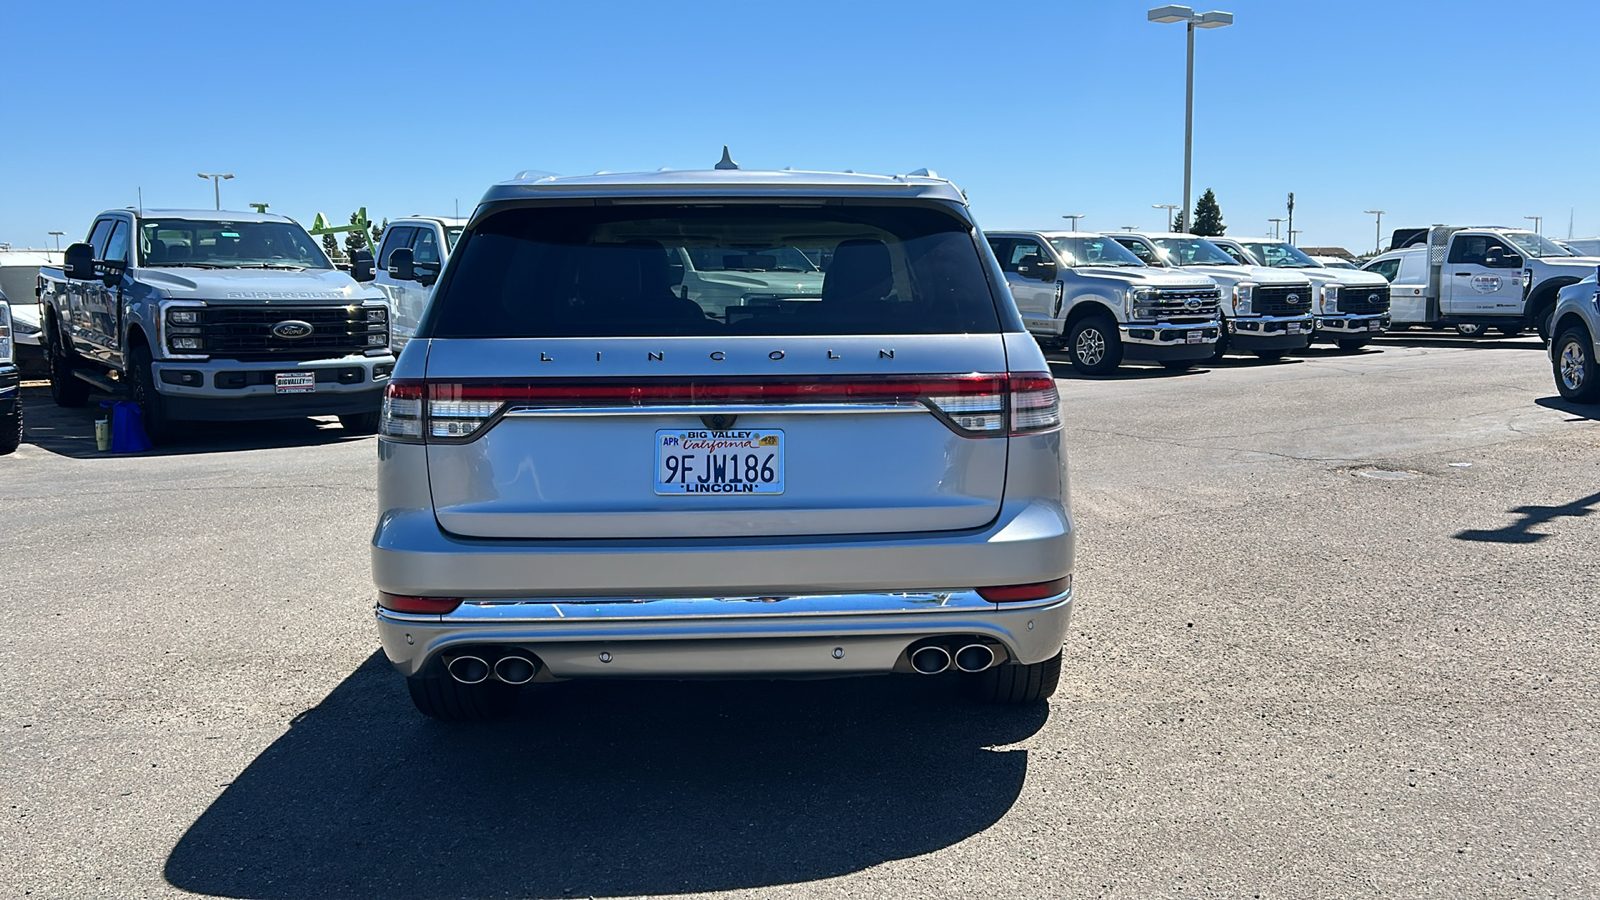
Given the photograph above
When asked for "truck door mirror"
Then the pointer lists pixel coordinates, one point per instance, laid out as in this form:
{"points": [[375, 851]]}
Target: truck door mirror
{"points": [[361, 265], [401, 267], [79, 263], [427, 273]]}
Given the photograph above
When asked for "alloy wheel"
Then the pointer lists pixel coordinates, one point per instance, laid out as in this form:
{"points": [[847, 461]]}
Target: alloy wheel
{"points": [[1091, 346], [1572, 366]]}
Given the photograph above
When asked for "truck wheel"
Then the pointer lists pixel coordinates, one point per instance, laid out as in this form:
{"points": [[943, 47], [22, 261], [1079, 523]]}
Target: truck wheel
{"points": [[1094, 346], [1469, 329], [1351, 345], [157, 427], [66, 389], [1577, 375], [361, 423], [11, 430], [1543, 321], [451, 701], [1016, 684]]}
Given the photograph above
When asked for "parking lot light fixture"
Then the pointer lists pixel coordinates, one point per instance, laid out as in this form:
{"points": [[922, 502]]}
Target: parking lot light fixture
{"points": [[1130, 228], [57, 235], [1275, 223], [1538, 223], [1074, 219], [216, 180], [1169, 207], [1377, 239], [1214, 19]]}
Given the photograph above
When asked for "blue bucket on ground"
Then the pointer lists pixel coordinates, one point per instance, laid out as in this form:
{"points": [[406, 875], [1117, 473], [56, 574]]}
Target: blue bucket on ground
{"points": [[127, 427]]}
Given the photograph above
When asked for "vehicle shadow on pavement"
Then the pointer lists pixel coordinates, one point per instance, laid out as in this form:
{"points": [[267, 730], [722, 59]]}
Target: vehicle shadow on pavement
{"points": [[1520, 531], [1062, 369], [607, 789], [1579, 411], [1443, 339], [70, 432]]}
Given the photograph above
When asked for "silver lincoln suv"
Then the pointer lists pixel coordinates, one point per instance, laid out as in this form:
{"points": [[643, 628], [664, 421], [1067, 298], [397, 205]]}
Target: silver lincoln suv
{"points": [[588, 471]]}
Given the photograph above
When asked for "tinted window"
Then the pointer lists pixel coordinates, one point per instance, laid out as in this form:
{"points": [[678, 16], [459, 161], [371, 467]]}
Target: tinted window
{"points": [[425, 247], [1236, 253], [1476, 249], [97, 237], [117, 246], [396, 237], [607, 271], [1142, 250], [1388, 268]]}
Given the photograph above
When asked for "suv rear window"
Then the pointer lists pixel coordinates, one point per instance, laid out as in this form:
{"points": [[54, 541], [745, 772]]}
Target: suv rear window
{"points": [[619, 271]]}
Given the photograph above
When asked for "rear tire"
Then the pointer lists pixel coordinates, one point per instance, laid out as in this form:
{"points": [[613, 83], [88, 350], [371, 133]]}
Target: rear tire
{"points": [[1576, 372], [1351, 345], [11, 430], [157, 427], [1543, 321], [361, 423], [1094, 346], [1016, 684], [66, 389], [449, 700]]}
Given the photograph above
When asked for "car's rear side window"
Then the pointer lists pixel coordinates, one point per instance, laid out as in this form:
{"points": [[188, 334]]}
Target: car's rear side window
{"points": [[648, 270]]}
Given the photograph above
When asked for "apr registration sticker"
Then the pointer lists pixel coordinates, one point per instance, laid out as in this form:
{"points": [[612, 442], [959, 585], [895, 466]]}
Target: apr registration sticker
{"points": [[719, 462]]}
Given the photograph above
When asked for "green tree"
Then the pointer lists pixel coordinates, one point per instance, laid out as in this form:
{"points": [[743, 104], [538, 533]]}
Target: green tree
{"points": [[1177, 222], [330, 246], [377, 233], [1208, 216], [354, 240]]}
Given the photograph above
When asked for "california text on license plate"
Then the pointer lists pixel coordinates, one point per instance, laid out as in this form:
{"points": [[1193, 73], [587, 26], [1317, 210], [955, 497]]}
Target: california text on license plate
{"points": [[296, 382], [739, 461]]}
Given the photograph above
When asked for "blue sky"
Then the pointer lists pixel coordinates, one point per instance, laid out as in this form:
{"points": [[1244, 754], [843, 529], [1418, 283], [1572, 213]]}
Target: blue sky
{"points": [[1036, 109]]}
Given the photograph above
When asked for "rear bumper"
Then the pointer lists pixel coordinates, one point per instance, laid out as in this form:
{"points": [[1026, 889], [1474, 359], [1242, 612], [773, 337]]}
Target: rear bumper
{"points": [[800, 636]]}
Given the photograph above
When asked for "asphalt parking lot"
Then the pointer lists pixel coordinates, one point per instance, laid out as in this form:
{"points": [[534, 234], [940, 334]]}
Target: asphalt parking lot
{"points": [[1334, 638]]}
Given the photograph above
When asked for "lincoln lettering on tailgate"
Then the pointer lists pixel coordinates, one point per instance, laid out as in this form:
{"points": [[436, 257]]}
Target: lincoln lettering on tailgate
{"points": [[719, 462]]}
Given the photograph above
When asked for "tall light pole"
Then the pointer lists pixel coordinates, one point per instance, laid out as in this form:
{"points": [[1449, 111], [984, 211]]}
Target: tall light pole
{"points": [[1169, 207], [57, 235], [216, 190], [1074, 219], [1538, 223], [1275, 223], [1377, 235], [1213, 19]]}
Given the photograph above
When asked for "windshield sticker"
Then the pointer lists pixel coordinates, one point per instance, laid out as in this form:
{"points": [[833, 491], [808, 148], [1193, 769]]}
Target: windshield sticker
{"points": [[1486, 284]]}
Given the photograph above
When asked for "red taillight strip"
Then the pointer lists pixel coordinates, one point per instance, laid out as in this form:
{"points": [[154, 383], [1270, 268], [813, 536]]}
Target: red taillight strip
{"points": [[651, 392], [1013, 593], [427, 606]]}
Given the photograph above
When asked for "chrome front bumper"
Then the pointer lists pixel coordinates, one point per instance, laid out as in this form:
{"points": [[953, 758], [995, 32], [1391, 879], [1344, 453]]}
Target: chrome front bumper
{"points": [[1270, 326], [815, 635], [1166, 334], [1352, 324]]}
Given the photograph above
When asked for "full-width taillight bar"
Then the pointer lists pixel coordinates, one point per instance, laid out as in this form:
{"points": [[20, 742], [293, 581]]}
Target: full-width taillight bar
{"points": [[973, 405]]}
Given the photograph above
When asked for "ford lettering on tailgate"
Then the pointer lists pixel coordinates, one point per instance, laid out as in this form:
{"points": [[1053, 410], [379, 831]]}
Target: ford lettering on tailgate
{"points": [[719, 462]]}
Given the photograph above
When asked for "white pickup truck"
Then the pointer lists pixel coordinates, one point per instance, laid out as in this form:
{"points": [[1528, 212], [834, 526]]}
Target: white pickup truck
{"points": [[1469, 278], [1575, 324], [1088, 293], [1265, 311], [1352, 307], [430, 240]]}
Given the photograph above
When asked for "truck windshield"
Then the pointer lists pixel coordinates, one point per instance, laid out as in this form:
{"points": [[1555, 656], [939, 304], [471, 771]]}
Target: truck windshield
{"points": [[760, 259], [1535, 245], [184, 243], [1192, 252], [1093, 251], [1279, 255]]}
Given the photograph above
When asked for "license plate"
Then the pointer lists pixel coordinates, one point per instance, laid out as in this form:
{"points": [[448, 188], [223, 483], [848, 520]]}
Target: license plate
{"points": [[1195, 337], [1294, 327], [1374, 326], [738, 461], [296, 382]]}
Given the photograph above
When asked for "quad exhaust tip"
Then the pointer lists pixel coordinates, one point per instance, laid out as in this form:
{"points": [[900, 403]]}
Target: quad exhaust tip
{"points": [[974, 657], [930, 659], [468, 669], [515, 669]]}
